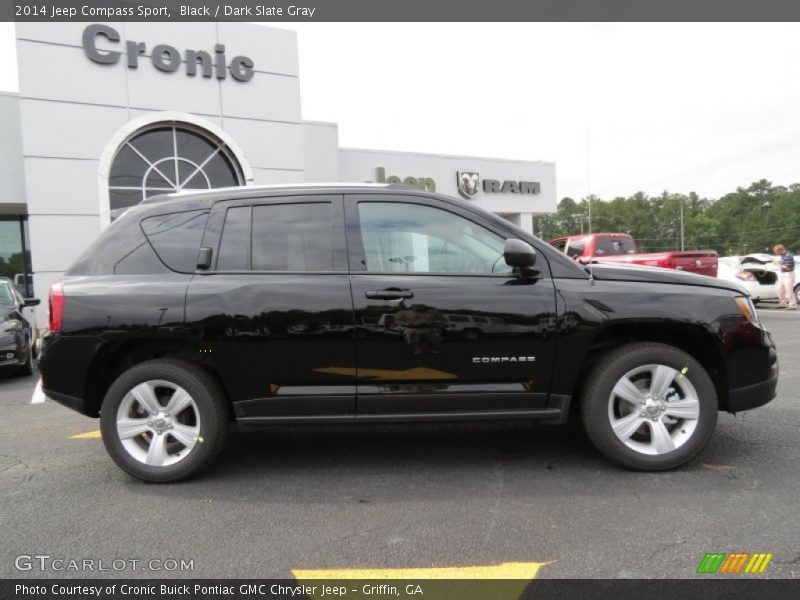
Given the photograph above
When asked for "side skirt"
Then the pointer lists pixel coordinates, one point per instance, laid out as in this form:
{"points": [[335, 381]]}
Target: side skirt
{"points": [[547, 414]]}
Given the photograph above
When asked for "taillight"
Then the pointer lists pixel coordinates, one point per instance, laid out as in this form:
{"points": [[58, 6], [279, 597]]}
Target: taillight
{"points": [[667, 263], [56, 305], [745, 276]]}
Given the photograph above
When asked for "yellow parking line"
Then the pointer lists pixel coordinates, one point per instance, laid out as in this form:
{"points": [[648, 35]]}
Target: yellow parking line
{"points": [[89, 435], [436, 583], [527, 570]]}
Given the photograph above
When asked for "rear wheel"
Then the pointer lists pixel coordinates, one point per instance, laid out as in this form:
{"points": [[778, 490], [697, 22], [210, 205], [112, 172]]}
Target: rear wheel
{"points": [[164, 420], [649, 407]]}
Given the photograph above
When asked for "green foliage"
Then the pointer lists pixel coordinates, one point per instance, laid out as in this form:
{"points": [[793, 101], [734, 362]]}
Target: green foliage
{"points": [[12, 266], [751, 219]]}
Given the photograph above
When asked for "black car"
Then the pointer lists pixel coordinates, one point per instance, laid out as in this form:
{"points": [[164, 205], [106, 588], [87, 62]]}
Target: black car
{"points": [[335, 303], [17, 335]]}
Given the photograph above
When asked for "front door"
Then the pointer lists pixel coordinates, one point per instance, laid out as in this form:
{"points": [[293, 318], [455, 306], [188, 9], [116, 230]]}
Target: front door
{"points": [[274, 313], [445, 328]]}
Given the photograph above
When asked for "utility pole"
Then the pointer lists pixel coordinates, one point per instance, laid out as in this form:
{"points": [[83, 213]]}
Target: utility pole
{"points": [[681, 225]]}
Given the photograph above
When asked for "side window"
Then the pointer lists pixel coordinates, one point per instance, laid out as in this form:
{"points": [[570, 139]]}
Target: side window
{"points": [[414, 238], [176, 238], [285, 237], [292, 237], [235, 241], [559, 244], [140, 261]]}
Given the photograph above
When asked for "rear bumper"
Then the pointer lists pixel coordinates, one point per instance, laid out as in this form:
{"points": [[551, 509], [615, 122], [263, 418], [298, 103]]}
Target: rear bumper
{"points": [[72, 402]]}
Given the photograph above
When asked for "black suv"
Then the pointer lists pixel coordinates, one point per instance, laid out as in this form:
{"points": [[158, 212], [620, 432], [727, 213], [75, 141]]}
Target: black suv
{"points": [[341, 304]]}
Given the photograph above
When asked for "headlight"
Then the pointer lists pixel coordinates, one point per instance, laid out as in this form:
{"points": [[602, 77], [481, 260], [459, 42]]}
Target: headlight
{"points": [[10, 326], [747, 308]]}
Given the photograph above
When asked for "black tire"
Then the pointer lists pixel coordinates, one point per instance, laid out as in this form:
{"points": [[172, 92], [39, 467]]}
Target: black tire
{"points": [[211, 406], [26, 368], [597, 392]]}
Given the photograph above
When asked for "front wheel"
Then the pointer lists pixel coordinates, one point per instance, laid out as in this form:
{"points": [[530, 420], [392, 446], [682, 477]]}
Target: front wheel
{"points": [[164, 420], [649, 407]]}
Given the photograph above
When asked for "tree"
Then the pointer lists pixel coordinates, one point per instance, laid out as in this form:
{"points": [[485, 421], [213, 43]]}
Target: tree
{"points": [[751, 219]]}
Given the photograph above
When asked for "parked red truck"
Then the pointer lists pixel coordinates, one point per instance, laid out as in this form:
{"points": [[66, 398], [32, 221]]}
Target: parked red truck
{"points": [[621, 247]]}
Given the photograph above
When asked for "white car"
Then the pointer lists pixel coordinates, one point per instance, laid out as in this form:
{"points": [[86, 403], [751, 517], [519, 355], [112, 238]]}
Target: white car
{"points": [[756, 272]]}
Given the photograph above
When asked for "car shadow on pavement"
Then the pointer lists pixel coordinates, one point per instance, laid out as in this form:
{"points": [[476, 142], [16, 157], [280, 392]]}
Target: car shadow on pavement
{"points": [[413, 451]]}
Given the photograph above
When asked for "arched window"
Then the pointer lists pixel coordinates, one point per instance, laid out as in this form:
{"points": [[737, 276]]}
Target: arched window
{"points": [[169, 157]]}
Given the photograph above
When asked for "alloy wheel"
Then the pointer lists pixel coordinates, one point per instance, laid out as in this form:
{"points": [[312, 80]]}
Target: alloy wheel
{"points": [[158, 423], [654, 409]]}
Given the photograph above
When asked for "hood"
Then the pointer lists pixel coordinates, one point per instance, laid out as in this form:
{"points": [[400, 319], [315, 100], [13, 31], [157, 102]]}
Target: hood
{"points": [[658, 275]]}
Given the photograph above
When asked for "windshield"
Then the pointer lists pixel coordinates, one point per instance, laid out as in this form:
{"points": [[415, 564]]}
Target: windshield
{"points": [[7, 296]]}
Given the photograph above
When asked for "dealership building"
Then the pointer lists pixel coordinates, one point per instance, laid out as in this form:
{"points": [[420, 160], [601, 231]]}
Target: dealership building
{"points": [[111, 113]]}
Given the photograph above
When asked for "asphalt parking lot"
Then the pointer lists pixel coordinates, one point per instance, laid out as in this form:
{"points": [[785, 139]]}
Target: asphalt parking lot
{"points": [[380, 497]]}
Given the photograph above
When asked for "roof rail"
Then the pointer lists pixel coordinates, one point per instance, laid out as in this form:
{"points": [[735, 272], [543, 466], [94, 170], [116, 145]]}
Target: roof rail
{"points": [[274, 186]]}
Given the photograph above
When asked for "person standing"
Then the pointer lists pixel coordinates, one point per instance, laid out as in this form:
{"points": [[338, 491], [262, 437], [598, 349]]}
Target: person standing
{"points": [[785, 260]]}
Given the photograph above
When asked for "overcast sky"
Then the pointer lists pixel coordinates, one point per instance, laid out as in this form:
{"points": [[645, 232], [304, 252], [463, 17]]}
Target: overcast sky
{"points": [[618, 107]]}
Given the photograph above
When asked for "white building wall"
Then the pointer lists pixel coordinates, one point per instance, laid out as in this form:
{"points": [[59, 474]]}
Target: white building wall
{"points": [[12, 179], [70, 107], [321, 152], [61, 130]]}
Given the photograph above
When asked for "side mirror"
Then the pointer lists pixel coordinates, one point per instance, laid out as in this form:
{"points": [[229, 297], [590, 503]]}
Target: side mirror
{"points": [[31, 302], [519, 254], [204, 258]]}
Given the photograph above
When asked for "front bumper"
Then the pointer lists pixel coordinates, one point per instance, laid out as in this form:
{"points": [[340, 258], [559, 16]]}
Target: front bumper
{"points": [[12, 350], [757, 394], [752, 396]]}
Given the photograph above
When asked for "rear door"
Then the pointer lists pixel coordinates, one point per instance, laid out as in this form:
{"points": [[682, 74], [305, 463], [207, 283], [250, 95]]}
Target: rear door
{"points": [[274, 313], [445, 327]]}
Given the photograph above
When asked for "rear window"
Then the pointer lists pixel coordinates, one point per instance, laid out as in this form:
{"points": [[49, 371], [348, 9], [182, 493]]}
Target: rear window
{"points": [[614, 246], [176, 238]]}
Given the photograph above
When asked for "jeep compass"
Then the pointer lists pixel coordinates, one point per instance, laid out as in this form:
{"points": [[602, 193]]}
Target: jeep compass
{"points": [[198, 313]]}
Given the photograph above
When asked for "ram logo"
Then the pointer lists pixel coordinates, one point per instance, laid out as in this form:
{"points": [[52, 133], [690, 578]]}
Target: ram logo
{"points": [[468, 183]]}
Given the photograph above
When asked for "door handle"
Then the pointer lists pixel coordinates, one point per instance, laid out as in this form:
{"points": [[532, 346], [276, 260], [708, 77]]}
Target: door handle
{"points": [[389, 294]]}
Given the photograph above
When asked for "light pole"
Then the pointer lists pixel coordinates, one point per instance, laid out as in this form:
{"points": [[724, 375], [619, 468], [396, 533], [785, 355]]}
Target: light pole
{"points": [[681, 225]]}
